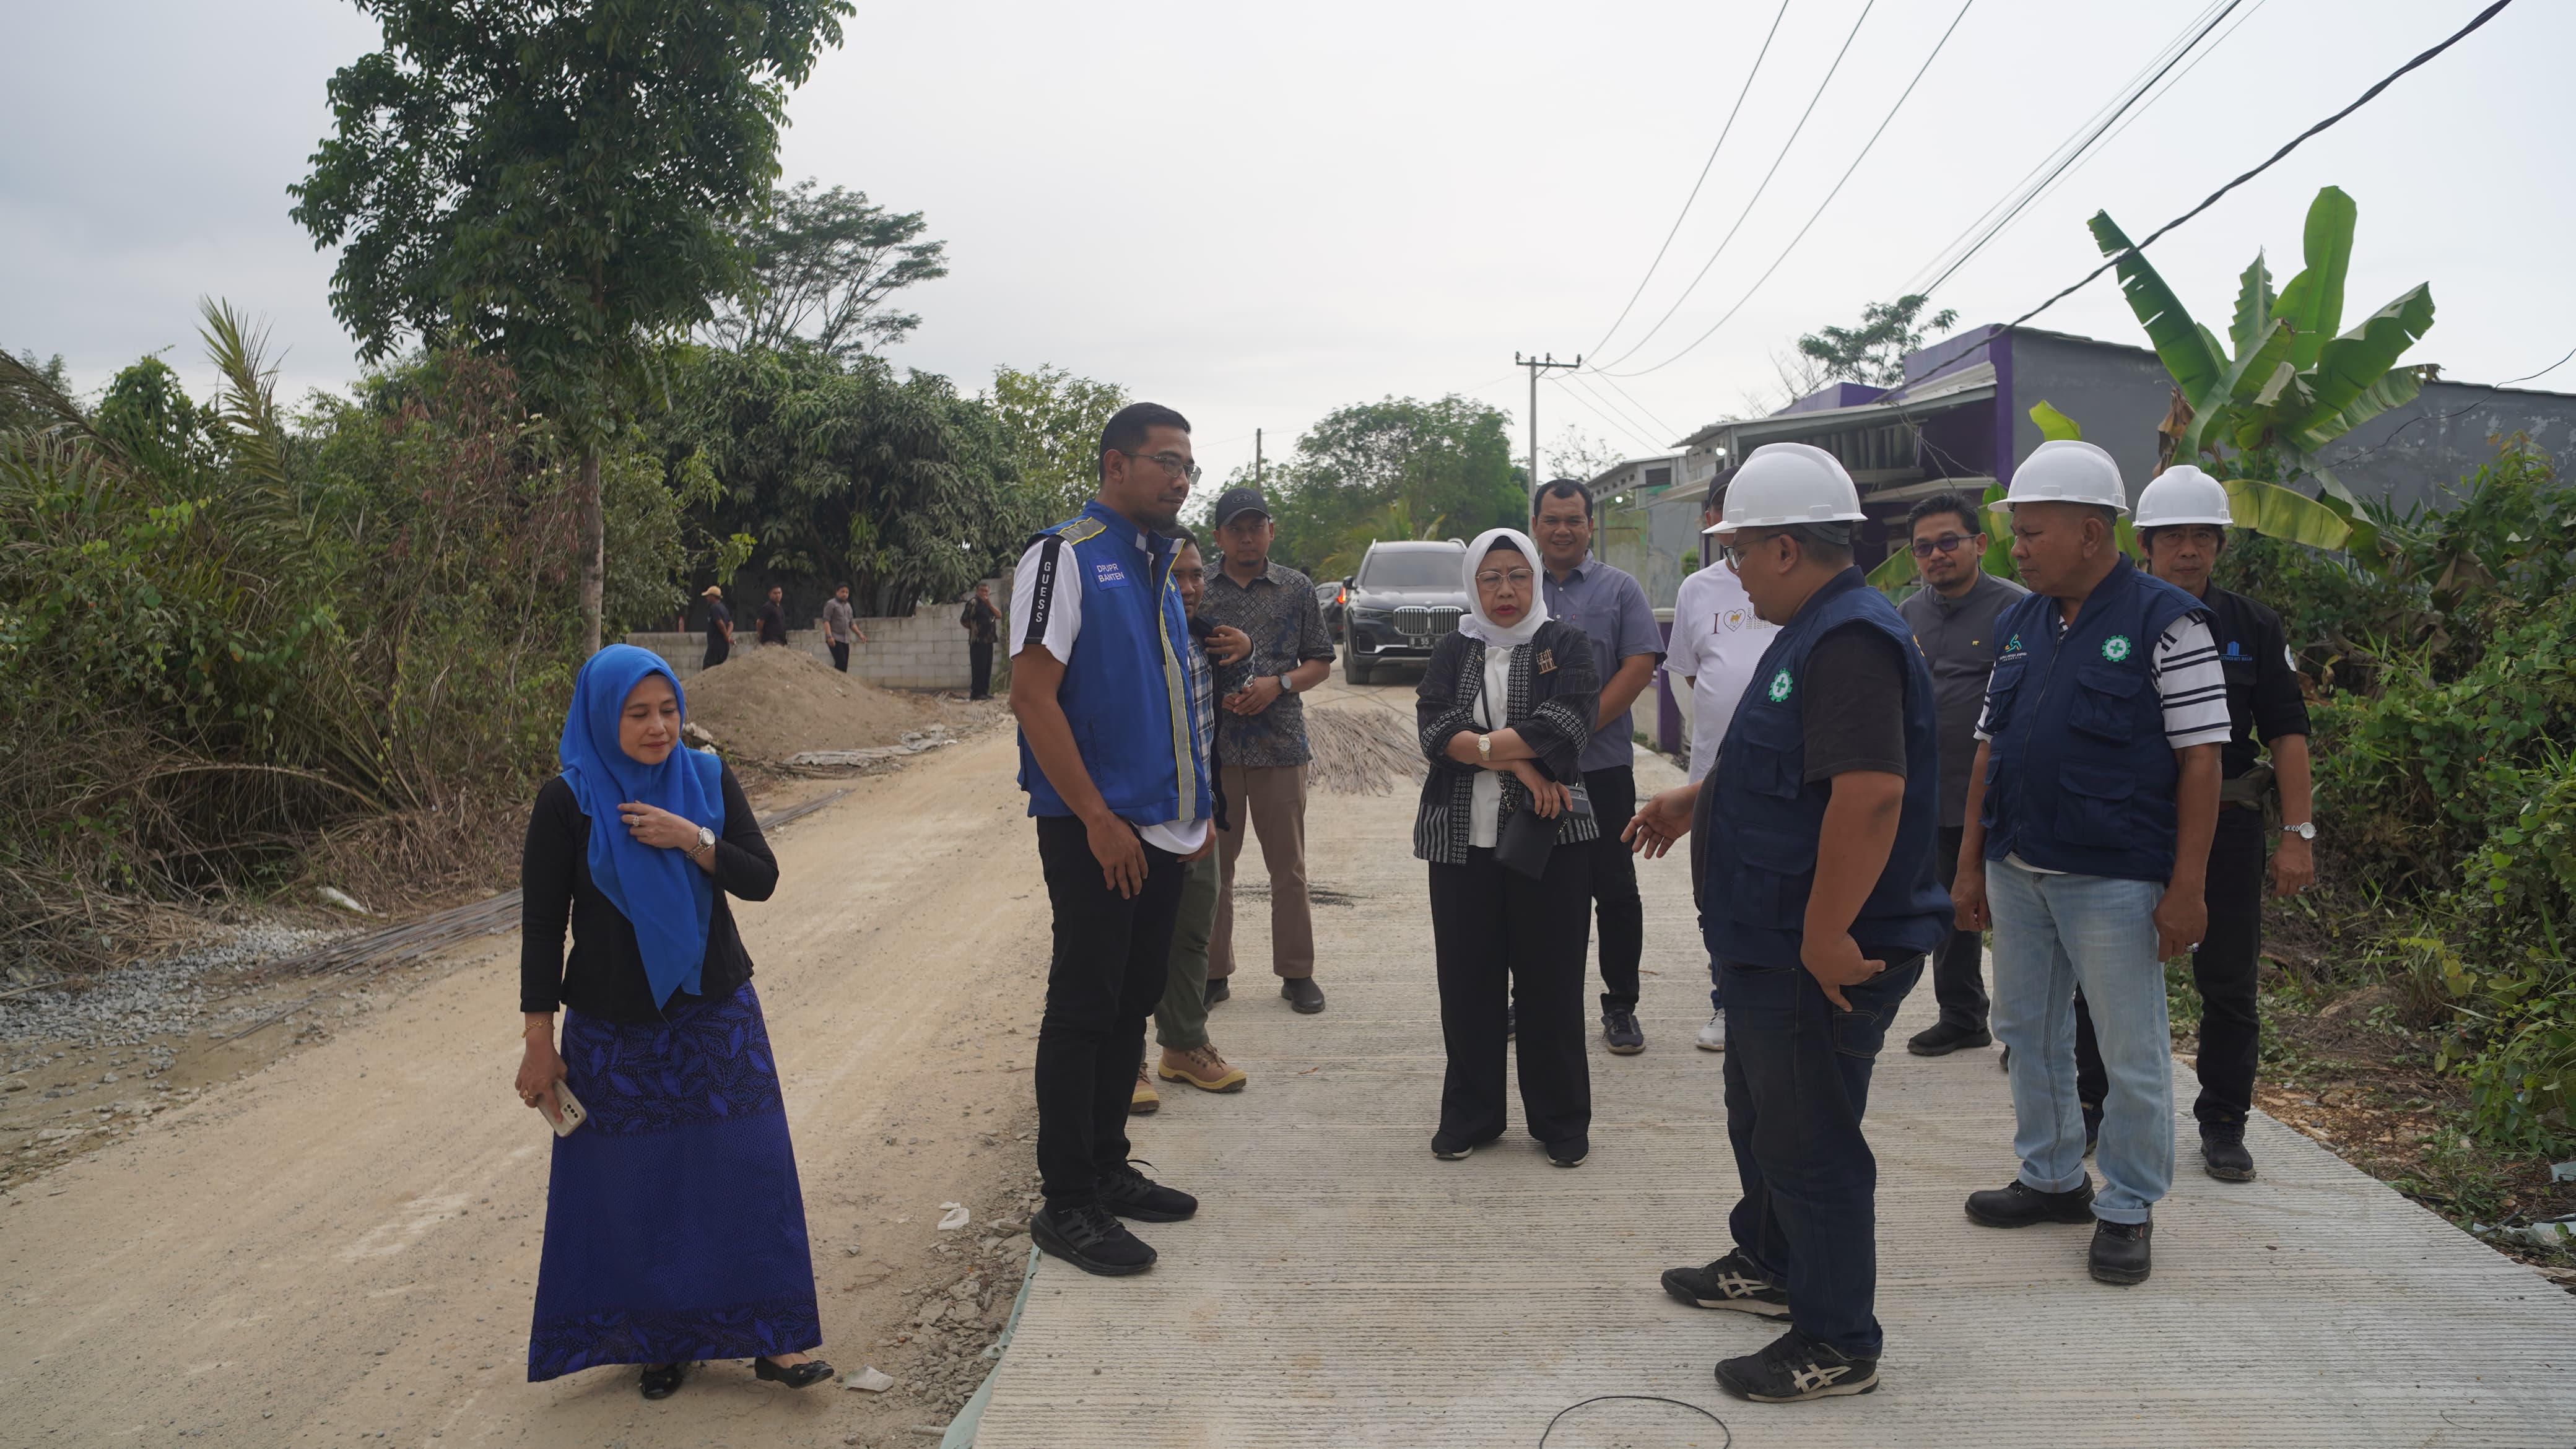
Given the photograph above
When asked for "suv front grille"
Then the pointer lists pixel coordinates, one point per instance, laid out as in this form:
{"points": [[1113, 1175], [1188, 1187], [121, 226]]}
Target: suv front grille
{"points": [[1426, 624]]}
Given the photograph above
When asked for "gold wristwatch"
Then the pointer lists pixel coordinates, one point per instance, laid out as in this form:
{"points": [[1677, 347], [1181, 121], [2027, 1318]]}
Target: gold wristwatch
{"points": [[1485, 749]]}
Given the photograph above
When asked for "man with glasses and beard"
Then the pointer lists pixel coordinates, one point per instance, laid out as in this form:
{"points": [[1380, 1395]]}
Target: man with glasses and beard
{"points": [[1953, 618]]}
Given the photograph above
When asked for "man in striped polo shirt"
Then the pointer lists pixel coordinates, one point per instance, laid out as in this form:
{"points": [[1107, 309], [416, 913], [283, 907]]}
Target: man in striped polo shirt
{"points": [[2086, 846]]}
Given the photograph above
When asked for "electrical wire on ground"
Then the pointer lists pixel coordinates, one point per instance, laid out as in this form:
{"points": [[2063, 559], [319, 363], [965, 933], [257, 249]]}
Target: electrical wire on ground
{"points": [[1727, 1443]]}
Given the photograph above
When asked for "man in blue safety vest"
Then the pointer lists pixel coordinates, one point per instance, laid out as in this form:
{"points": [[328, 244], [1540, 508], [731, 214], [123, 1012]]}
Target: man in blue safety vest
{"points": [[1115, 774], [1819, 903]]}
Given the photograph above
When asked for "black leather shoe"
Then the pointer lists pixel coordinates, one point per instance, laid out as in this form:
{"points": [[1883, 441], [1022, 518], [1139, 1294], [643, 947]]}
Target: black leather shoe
{"points": [[2120, 1252], [1131, 1194], [1090, 1239], [2017, 1205], [795, 1376], [2222, 1151], [1302, 993], [662, 1380], [1942, 1038], [1219, 988]]}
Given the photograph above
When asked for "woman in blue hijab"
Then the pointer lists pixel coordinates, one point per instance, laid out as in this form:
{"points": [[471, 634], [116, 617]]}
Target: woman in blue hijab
{"points": [[675, 1229]]}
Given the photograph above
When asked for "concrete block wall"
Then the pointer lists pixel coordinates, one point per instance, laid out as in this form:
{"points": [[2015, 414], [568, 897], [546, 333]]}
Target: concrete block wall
{"points": [[925, 651]]}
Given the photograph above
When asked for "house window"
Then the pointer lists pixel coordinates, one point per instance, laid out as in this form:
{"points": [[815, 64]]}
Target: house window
{"points": [[1659, 477]]}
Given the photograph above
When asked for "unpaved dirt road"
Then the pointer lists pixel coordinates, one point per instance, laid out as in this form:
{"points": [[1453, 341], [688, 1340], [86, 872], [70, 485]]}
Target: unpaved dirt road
{"points": [[341, 1247]]}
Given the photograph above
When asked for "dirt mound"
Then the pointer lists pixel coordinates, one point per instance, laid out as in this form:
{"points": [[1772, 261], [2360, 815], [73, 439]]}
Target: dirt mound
{"points": [[767, 704]]}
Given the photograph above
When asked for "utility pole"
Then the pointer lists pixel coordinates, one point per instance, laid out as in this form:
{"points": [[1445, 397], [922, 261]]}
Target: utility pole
{"points": [[1537, 365], [1256, 456]]}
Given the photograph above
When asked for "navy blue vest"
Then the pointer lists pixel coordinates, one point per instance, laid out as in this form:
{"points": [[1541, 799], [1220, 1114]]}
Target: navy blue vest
{"points": [[1767, 817], [2079, 777], [1127, 691]]}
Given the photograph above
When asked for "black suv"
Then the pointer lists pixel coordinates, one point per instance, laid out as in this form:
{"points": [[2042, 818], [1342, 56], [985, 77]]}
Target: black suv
{"points": [[1404, 597]]}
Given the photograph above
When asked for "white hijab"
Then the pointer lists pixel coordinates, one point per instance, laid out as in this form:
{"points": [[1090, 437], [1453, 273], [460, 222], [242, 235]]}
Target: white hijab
{"points": [[1475, 625]]}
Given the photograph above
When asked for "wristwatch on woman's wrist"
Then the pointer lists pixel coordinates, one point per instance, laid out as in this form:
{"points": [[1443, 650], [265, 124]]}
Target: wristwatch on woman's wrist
{"points": [[706, 840], [1485, 749]]}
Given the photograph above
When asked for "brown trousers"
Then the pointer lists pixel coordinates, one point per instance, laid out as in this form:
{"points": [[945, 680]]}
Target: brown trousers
{"points": [[1272, 800]]}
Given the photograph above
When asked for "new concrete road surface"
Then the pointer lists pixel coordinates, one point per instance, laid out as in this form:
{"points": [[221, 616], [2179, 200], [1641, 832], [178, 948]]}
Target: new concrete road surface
{"points": [[1341, 1287]]}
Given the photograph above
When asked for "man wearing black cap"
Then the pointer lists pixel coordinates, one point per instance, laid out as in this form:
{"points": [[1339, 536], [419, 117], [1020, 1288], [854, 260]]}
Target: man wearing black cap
{"points": [[1261, 739]]}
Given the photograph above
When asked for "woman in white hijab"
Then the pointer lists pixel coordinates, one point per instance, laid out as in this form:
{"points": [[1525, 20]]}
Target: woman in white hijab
{"points": [[1505, 706]]}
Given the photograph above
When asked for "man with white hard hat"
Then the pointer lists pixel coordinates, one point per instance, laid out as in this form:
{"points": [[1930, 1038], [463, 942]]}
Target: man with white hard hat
{"points": [[2182, 524], [2089, 814], [1819, 902]]}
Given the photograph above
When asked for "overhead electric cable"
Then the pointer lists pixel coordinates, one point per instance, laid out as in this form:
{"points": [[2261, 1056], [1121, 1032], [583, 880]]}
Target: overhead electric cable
{"points": [[2366, 97], [1722, 133], [2139, 114], [1812, 217], [1640, 409], [1756, 197], [1596, 411]]}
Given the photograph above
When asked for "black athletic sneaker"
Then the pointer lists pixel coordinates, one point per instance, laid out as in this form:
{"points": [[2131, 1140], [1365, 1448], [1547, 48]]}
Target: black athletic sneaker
{"points": [[1794, 1368], [2119, 1252], [1090, 1239], [1569, 1153], [1619, 1024], [1131, 1194], [2222, 1151], [2017, 1205], [1218, 990], [1942, 1038], [1302, 994], [1730, 1282]]}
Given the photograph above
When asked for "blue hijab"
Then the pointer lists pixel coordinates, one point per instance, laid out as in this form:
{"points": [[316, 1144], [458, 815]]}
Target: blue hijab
{"points": [[669, 900]]}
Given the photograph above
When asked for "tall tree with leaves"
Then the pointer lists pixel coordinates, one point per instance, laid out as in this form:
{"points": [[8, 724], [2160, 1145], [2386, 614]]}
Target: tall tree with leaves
{"points": [[562, 181], [1448, 458], [1874, 352], [1051, 422], [823, 268]]}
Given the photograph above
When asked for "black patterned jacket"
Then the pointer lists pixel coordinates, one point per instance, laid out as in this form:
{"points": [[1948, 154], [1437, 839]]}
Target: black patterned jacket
{"points": [[1554, 694]]}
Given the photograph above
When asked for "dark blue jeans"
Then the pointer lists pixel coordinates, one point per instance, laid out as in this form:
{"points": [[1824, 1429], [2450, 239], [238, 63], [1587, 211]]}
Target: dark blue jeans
{"points": [[1797, 1081]]}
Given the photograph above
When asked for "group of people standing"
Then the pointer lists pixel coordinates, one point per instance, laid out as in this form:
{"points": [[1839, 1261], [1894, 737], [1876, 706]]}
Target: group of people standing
{"points": [[979, 618]]}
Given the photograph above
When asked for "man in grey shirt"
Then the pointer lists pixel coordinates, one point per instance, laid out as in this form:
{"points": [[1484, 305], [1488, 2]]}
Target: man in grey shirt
{"points": [[1610, 607], [1953, 618], [838, 629]]}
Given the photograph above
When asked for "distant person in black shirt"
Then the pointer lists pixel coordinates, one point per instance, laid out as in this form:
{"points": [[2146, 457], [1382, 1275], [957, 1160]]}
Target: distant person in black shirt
{"points": [[773, 617], [983, 625], [675, 1230], [719, 628]]}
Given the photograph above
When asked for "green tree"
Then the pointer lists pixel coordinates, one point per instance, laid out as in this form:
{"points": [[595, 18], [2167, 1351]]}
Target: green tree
{"points": [[823, 267], [1051, 422], [1449, 459], [562, 181], [21, 413], [1874, 352]]}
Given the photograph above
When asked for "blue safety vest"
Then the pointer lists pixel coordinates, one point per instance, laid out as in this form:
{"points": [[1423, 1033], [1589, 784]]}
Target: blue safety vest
{"points": [[2079, 777], [1127, 691], [1767, 816]]}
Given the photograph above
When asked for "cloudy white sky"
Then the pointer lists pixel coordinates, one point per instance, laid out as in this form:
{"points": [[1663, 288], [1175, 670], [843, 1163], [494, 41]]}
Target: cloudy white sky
{"points": [[1258, 214]]}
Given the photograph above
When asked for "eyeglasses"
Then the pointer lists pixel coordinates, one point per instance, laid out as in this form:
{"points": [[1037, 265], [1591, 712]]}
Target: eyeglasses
{"points": [[1172, 463], [1946, 543], [1736, 553], [1491, 579]]}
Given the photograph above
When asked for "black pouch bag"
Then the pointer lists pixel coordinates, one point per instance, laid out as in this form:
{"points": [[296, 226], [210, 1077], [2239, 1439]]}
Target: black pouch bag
{"points": [[1527, 838]]}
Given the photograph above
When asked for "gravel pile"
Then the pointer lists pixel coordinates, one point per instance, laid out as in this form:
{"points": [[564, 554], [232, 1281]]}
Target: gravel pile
{"points": [[135, 1004]]}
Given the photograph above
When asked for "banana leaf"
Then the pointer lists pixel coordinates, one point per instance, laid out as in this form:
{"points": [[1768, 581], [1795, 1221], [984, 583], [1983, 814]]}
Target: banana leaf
{"points": [[1894, 575], [2395, 390], [2054, 426], [2363, 544], [2253, 307], [2180, 343], [2243, 379], [2285, 513], [2313, 301], [1998, 528], [2348, 365]]}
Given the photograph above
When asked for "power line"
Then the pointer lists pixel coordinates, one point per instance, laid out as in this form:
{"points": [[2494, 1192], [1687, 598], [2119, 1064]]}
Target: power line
{"points": [[2492, 389], [1756, 197], [2139, 248], [1616, 424], [1722, 133], [2018, 207], [1643, 411], [2139, 114], [1813, 216]]}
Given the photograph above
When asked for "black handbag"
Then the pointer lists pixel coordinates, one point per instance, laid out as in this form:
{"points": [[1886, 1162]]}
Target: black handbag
{"points": [[1528, 838]]}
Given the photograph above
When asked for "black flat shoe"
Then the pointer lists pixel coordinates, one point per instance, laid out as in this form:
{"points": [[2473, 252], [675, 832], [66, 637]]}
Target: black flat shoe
{"points": [[798, 1376], [1219, 988], [662, 1380]]}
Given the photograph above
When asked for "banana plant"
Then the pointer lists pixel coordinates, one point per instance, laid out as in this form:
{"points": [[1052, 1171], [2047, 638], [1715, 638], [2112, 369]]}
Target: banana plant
{"points": [[2292, 383], [2253, 504]]}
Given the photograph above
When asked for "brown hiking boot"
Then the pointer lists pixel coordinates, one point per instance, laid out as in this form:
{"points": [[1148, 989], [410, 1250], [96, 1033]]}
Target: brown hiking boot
{"points": [[1202, 1068], [1146, 1101]]}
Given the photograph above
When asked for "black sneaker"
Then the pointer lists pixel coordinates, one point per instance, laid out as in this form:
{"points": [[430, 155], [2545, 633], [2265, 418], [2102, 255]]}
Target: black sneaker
{"points": [[1943, 1038], [1795, 1368], [2222, 1151], [1131, 1194], [1450, 1149], [1569, 1153], [2120, 1252], [1730, 1282], [1619, 1024], [1090, 1239], [1302, 993], [1218, 990], [2092, 1127], [2017, 1205]]}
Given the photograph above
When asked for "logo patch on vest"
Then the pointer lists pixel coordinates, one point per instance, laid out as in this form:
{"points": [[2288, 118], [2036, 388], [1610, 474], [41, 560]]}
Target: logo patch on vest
{"points": [[1780, 687], [1108, 574], [1547, 661], [2116, 648]]}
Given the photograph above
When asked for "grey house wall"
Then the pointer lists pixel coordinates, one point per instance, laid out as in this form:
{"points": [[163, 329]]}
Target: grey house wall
{"points": [[2118, 395], [2415, 456]]}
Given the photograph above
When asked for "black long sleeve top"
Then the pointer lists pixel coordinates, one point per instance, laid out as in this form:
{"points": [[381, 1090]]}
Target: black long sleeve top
{"points": [[604, 975]]}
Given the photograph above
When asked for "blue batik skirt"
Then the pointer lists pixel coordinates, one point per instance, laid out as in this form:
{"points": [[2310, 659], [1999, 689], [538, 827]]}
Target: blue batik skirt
{"points": [[675, 1230]]}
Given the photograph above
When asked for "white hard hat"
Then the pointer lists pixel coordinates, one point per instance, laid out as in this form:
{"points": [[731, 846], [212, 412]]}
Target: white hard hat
{"points": [[2067, 470], [2183, 494], [1786, 483]]}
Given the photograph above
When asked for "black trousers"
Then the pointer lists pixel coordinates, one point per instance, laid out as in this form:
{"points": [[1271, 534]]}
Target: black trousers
{"points": [[1494, 931], [717, 649], [2231, 1032], [1614, 884], [841, 657], [1111, 952], [979, 669], [1958, 963]]}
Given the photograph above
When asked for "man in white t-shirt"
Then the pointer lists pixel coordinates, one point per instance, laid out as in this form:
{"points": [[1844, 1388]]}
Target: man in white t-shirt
{"points": [[1717, 641]]}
